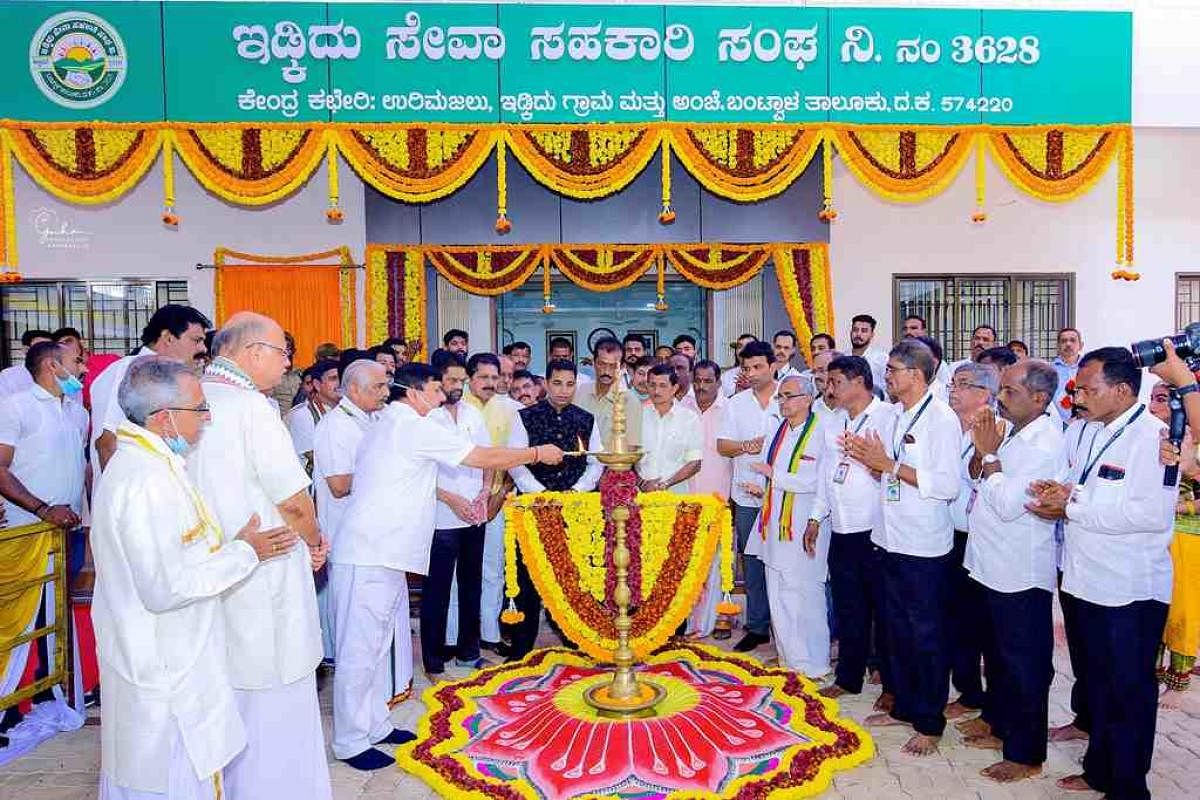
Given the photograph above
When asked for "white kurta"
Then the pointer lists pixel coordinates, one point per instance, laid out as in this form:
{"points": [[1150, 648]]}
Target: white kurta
{"points": [[160, 570], [670, 441], [245, 465], [795, 582]]}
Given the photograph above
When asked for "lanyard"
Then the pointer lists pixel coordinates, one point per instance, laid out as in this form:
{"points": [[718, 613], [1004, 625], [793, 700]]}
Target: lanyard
{"points": [[898, 449], [1087, 470], [860, 424]]}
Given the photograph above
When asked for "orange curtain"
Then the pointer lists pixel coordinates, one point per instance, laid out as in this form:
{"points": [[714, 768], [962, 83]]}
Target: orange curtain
{"points": [[304, 300]]}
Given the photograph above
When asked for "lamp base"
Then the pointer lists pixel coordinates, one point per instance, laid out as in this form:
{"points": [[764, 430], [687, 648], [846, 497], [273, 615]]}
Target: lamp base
{"points": [[639, 706]]}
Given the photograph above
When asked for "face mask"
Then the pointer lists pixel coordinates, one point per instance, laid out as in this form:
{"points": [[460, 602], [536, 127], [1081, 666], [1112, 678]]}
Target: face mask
{"points": [[176, 444], [69, 384]]}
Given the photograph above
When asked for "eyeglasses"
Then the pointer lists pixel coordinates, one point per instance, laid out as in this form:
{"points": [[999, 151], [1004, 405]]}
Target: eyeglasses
{"points": [[889, 369], [272, 346], [200, 409], [783, 396], [966, 385]]}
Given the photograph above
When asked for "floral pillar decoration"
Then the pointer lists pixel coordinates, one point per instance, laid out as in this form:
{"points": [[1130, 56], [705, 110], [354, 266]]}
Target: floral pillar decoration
{"points": [[547, 305], [980, 214], [334, 212], [661, 304], [827, 213], [1125, 270], [8, 214], [169, 217], [667, 215], [503, 223]]}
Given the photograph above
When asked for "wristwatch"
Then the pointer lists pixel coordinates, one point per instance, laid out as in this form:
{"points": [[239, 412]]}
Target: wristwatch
{"points": [[990, 458], [1183, 391]]}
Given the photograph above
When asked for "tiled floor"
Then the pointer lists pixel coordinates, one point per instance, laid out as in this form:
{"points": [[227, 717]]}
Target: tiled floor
{"points": [[65, 768]]}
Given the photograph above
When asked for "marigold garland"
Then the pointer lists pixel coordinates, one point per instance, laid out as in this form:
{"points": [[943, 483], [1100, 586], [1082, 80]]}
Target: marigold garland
{"points": [[667, 215], [827, 213], [503, 224], [250, 164], [77, 162], [334, 212], [8, 208], [980, 215]]}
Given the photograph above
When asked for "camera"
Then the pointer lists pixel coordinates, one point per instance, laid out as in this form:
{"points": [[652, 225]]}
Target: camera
{"points": [[1149, 352]]}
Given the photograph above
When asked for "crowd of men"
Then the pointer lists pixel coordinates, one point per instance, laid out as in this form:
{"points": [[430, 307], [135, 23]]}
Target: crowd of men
{"points": [[900, 520]]}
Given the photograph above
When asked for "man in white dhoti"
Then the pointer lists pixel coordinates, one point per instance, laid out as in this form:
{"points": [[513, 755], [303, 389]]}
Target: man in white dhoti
{"points": [[169, 720], [795, 576], [174, 331], [246, 465], [364, 387], [375, 546]]}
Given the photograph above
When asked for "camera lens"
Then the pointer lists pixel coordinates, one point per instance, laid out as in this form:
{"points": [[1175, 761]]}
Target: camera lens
{"points": [[1148, 352]]}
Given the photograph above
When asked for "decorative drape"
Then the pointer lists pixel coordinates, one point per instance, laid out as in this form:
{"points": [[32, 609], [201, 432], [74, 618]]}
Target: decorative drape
{"points": [[312, 295], [395, 288], [421, 163], [22, 559]]}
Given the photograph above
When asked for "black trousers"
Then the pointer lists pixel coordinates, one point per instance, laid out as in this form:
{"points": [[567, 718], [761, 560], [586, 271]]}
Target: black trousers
{"points": [[1121, 644], [966, 648], [916, 593], [1018, 633], [856, 583], [1079, 665], [461, 549], [529, 603]]}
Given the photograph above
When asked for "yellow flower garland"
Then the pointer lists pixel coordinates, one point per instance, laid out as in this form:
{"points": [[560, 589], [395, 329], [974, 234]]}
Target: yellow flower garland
{"points": [[8, 208]]}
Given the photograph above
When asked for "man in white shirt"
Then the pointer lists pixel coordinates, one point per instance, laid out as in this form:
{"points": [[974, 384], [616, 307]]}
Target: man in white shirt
{"points": [[972, 390], [599, 398], [16, 378], [784, 345], [672, 435], [1010, 558], [174, 331], [335, 443], [1116, 564], [302, 420], [456, 552], [862, 333], [748, 414], [918, 460], [848, 495], [169, 720], [246, 465], [733, 378], [374, 547], [714, 476]]}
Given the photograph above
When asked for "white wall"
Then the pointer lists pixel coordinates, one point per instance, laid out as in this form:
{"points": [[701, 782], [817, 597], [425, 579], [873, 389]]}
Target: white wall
{"points": [[873, 239], [128, 239]]}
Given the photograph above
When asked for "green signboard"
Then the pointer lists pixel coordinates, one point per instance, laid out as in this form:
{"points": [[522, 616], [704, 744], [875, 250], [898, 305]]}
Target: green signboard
{"points": [[521, 63]]}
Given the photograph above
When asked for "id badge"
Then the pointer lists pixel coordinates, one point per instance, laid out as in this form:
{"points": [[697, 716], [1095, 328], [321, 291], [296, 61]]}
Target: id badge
{"points": [[971, 500], [839, 474], [893, 489]]}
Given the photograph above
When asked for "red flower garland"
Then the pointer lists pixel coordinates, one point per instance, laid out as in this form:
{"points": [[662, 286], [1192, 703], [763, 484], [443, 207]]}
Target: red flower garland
{"points": [[620, 489]]}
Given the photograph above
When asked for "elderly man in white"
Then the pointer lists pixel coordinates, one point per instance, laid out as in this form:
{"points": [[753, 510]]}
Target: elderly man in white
{"points": [[246, 465], [169, 720], [364, 386], [796, 573], [674, 440], [374, 547]]}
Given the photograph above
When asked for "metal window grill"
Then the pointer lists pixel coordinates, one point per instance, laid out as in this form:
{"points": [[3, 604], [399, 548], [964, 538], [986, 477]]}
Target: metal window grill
{"points": [[109, 314], [1187, 300], [1030, 308]]}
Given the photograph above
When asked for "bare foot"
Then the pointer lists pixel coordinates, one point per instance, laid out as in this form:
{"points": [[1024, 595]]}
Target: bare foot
{"points": [[875, 678], [883, 721], [983, 742], [973, 727], [1172, 698], [1009, 771], [832, 690], [885, 703], [956, 710], [921, 745], [1066, 733], [1073, 783]]}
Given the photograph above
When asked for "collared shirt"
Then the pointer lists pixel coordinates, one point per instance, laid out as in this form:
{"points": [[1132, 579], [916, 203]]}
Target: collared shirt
{"points": [[941, 382], [672, 440], [1120, 521], [162, 563], [788, 371], [958, 509], [1066, 372], [14, 379], [1010, 549], [335, 444], [716, 470], [877, 358], [467, 482], [106, 411], [519, 437], [919, 523], [47, 437], [245, 464], [729, 376], [745, 418], [853, 504], [399, 460], [497, 414], [302, 422], [602, 407]]}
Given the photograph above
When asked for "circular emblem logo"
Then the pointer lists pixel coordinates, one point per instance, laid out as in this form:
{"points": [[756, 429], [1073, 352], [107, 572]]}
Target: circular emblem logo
{"points": [[77, 60]]}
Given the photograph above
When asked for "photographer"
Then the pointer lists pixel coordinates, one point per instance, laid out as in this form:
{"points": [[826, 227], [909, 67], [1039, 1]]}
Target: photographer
{"points": [[1175, 371]]}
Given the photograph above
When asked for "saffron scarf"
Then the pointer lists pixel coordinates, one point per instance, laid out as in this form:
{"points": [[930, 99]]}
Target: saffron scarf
{"points": [[789, 498]]}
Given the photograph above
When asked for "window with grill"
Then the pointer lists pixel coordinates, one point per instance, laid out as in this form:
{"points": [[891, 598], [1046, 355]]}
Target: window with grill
{"points": [[1187, 300], [110, 314], [1031, 308]]}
